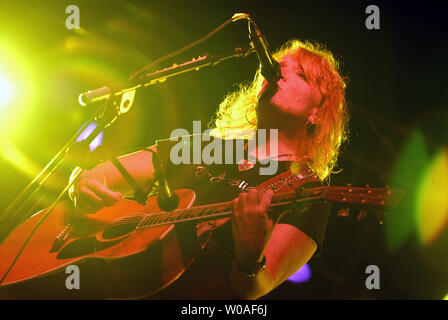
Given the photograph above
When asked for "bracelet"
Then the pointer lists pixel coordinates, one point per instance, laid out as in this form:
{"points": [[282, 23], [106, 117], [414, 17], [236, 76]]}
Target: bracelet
{"points": [[252, 271]]}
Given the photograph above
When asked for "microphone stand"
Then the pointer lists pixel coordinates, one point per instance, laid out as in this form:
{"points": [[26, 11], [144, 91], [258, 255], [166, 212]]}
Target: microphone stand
{"points": [[117, 103], [160, 76]]}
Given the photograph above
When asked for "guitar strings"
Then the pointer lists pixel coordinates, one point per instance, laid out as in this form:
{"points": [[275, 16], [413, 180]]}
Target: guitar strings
{"points": [[150, 219], [174, 216], [208, 210]]}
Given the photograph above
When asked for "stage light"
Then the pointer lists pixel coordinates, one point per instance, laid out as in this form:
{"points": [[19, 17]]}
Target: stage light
{"points": [[16, 91], [445, 297], [302, 275], [6, 91]]}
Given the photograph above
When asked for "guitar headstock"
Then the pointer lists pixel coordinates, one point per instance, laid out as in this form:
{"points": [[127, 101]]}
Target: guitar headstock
{"points": [[348, 196], [364, 196]]}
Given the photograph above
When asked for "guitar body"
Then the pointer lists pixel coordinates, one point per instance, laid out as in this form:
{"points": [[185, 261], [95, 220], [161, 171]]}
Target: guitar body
{"points": [[113, 261]]}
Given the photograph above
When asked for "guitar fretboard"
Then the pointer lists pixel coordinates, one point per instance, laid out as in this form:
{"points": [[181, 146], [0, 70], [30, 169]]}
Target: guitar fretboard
{"points": [[222, 209]]}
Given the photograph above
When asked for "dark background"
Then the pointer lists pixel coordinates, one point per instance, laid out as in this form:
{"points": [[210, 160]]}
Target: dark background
{"points": [[396, 96]]}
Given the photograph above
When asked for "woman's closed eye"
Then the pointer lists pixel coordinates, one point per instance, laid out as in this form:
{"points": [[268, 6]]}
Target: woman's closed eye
{"points": [[301, 73]]}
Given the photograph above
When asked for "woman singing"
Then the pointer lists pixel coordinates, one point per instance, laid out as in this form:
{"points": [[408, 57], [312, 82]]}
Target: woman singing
{"points": [[252, 254]]}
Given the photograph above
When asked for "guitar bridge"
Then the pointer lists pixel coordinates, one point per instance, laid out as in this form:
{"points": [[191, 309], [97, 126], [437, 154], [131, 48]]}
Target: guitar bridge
{"points": [[61, 238]]}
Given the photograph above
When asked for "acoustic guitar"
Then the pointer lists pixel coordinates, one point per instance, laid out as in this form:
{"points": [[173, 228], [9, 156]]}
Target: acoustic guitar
{"points": [[131, 250]]}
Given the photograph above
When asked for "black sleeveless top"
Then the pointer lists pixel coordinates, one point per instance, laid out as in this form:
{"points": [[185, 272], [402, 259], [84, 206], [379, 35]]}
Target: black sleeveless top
{"points": [[218, 182]]}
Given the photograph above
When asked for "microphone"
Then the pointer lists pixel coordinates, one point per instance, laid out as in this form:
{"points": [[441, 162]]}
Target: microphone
{"points": [[167, 199], [94, 95], [270, 68]]}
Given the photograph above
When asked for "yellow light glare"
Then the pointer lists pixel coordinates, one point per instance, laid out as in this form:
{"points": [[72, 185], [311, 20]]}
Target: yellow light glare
{"points": [[18, 159], [6, 91], [432, 200], [16, 92]]}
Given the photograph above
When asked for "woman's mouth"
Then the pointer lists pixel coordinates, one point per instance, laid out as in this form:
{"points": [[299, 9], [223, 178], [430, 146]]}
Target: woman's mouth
{"points": [[268, 90]]}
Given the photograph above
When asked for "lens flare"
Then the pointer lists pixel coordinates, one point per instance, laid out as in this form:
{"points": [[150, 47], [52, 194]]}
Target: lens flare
{"points": [[409, 169], [85, 134], [18, 159], [302, 275], [432, 199]]}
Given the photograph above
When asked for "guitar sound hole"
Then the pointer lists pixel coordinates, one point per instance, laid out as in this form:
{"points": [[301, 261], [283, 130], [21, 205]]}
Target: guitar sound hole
{"points": [[116, 231]]}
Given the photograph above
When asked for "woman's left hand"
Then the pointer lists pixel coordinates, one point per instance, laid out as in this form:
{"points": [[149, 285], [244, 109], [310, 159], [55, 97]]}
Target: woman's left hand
{"points": [[251, 226]]}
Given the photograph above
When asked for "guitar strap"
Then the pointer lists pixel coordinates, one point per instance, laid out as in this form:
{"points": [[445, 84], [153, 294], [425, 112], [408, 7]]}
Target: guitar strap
{"points": [[288, 181]]}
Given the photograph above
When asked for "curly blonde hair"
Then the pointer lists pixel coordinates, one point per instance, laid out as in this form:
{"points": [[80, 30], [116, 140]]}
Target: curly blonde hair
{"points": [[236, 116]]}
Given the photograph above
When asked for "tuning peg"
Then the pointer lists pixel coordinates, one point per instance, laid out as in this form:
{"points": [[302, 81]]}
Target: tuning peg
{"points": [[389, 191], [344, 213]]}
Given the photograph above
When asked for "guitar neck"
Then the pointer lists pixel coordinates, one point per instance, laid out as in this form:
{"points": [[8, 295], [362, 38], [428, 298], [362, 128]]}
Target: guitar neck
{"points": [[374, 197], [224, 209]]}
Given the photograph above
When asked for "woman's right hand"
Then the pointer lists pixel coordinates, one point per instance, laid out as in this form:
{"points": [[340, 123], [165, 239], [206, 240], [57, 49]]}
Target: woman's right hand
{"points": [[90, 195]]}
